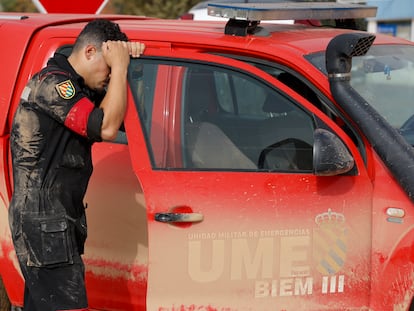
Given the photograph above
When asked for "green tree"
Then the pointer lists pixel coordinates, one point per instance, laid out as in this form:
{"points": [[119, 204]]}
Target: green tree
{"points": [[18, 6], [153, 8]]}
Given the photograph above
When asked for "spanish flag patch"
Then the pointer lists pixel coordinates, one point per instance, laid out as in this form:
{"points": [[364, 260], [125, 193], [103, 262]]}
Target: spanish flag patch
{"points": [[66, 89]]}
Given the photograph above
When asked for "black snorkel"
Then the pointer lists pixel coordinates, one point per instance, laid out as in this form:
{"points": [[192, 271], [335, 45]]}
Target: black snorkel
{"points": [[393, 149]]}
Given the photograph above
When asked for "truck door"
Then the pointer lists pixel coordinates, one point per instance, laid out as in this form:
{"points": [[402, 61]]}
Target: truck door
{"points": [[237, 219]]}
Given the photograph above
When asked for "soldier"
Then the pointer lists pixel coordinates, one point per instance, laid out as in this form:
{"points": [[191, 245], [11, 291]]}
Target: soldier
{"points": [[70, 104]]}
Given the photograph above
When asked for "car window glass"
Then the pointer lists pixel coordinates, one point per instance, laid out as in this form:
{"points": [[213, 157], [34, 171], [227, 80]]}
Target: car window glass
{"points": [[220, 119], [305, 89], [237, 94], [143, 92]]}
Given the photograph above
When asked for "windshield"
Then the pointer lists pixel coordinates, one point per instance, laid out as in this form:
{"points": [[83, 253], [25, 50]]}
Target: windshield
{"points": [[384, 77]]}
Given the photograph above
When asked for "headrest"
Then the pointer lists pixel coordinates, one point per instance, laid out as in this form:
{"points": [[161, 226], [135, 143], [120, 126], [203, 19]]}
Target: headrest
{"points": [[276, 104]]}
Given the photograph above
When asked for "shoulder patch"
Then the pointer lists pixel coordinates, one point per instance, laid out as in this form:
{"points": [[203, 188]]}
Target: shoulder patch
{"points": [[65, 89]]}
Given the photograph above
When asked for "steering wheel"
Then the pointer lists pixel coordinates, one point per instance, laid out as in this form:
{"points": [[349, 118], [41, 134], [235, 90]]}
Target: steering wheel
{"points": [[301, 159]]}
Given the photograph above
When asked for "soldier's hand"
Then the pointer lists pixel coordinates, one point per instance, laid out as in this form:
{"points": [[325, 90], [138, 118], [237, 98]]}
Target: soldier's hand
{"points": [[116, 54], [135, 48]]}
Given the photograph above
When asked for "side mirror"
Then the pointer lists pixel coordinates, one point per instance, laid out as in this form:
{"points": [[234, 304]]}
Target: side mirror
{"points": [[330, 156]]}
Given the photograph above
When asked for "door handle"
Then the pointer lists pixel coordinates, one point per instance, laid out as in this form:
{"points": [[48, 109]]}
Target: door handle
{"points": [[179, 217]]}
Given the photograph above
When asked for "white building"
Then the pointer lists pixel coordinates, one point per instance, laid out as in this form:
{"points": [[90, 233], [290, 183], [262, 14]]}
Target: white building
{"points": [[395, 17]]}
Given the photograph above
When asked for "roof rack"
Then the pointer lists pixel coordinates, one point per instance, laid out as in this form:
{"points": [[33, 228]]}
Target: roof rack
{"points": [[247, 16]]}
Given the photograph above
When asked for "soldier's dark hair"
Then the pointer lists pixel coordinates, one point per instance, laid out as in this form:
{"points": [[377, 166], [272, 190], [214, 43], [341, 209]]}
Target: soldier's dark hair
{"points": [[98, 31]]}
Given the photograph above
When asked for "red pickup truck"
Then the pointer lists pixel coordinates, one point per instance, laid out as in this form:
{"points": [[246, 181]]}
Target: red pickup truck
{"points": [[261, 166]]}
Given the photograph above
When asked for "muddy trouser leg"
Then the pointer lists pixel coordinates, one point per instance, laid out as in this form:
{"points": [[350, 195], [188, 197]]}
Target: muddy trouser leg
{"points": [[57, 288], [52, 267], [28, 304]]}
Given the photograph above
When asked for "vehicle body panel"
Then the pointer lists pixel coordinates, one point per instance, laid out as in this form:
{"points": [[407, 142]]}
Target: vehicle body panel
{"points": [[249, 229], [263, 232]]}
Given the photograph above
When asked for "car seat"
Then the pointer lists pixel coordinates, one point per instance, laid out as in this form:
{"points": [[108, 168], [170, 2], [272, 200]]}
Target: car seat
{"points": [[208, 147]]}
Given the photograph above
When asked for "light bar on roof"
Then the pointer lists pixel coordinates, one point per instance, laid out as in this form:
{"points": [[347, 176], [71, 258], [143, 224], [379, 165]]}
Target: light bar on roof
{"points": [[289, 10]]}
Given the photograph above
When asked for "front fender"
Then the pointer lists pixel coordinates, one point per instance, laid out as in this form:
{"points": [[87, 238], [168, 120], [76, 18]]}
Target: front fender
{"points": [[396, 273]]}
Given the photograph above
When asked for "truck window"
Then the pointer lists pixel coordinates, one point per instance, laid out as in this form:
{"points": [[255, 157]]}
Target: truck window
{"points": [[304, 88], [227, 120]]}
